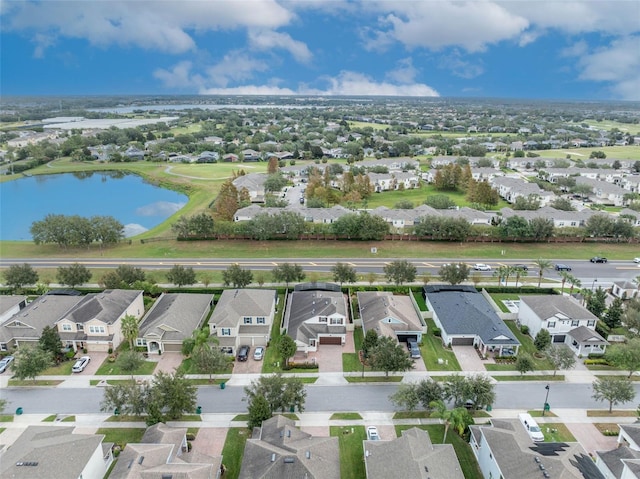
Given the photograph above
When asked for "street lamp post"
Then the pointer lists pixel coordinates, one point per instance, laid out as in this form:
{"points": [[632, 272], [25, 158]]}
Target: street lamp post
{"points": [[546, 400], [595, 280]]}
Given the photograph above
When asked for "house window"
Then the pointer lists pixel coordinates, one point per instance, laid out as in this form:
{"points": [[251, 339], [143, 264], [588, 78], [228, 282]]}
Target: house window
{"points": [[575, 322], [551, 324], [336, 320], [96, 329], [574, 342], [261, 320], [66, 327], [141, 342], [225, 331], [80, 327], [3, 347], [591, 323], [247, 320], [322, 319], [312, 343], [227, 350]]}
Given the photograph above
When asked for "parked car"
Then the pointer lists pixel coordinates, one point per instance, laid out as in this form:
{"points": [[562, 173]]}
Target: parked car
{"points": [[80, 364], [598, 259], [243, 353], [521, 267], [258, 354], [372, 433], [531, 426], [481, 267], [636, 260], [414, 350], [562, 267], [4, 363]]}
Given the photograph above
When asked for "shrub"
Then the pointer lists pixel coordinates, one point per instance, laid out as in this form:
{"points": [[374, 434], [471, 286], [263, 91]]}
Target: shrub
{"points": [[597, 361], [190, 436], [436, 332], [70, 354], [524, 329], [305, 365]]}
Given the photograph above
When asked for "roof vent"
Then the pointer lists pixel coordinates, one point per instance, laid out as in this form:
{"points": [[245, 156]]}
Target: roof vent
{"points": [[541, 466], [537, 459], [308, 454], [289, 460], [273, 457], [141, 459], [546, 474], [27, 463]]}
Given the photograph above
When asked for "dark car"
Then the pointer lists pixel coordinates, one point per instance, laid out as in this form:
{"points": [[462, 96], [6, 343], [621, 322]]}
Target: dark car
{"points": [[562, 267], [414, 350], [521, 267], [598, 259], [243, 353]]}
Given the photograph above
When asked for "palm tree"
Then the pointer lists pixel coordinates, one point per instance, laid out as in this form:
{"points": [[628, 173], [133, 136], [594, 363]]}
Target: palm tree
{"points": [[565, 277], [459, 417], [543, 265], [574, 282], [130, 328], [520, 273], [503, 272]]}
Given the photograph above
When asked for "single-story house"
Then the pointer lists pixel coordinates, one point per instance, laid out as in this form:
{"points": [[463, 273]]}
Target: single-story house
{"points": [[10, 304], [561, 315], [411, 456], [390, 315], [612, 463], [624, 289], [243, 317], [465, 318], [504, 450], [55, 452], [162, 453], [629, 435], [94, 323], [278, 449], [315, 317], [172, 319]]}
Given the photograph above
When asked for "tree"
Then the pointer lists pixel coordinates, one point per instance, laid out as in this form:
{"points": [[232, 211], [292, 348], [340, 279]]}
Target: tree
{"points": [[400, 271], [272, 168], [456, 390], [128, 274], [237, 276], [596, 303], [480, 390], [613, 389], [259, 411], [208, 359], [389, 356], [128, 398], [458, 418], [226, 203], [613, 316], [561, 357], [181, 276], [542, 265], [406, 396], [503, 272], [369, 343], [288, 273], [18, 276], [631, 318], [344, 273], [454, 273], [30, 362], [50, 341], [524, 363], [625, 355], [173, 395], [73, 275], [280, 392], [429, 391], [574, 282], [565, 277], [130, 327], [286, 349], [130, 361], [542, 340]]}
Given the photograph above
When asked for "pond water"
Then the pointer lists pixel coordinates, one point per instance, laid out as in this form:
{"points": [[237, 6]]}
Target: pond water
{"points": [[135, 203]]}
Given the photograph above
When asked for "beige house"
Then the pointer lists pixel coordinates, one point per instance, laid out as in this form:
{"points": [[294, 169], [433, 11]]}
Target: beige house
{"points": [[390, 315]]}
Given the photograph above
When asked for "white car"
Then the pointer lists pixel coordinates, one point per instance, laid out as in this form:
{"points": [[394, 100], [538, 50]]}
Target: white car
{"points": [[80, 364], [481, 267], [372, 433], [258, 353], [636, 260]]}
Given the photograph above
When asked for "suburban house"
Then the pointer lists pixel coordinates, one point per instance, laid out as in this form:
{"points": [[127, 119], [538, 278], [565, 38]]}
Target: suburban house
{"points": [[25, 327], [624, 289], [566, 320], [505, 450], [55, 452], [94, 323], [243, 317], [411, 456], [620, 463], [630, 436], [511, 188], [10, 305], [390, 315], [560, 218], [278, 449], [465, 318], [254, 184], [171, 320], [316, 316], [162, 453]]}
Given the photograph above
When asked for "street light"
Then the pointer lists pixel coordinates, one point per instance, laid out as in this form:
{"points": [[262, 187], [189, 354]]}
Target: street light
{"points": [[595, 280], [546, 400]]}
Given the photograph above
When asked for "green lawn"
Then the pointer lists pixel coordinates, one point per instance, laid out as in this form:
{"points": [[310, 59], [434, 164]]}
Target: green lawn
{"points": [[187, 367], [373, 379], [556, 432], [270, 363], [432, 350], [345, 416], [233, 450], [108, 368], [538, 413], [122, 436], [30, 382], [614, 413], [534, 377], [500, 297], [351, 361], [62, 369], [526, 345], [351, 451], [631, 152], [465, 455]]}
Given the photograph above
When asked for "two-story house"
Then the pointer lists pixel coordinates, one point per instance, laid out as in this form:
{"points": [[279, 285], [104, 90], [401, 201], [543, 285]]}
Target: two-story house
{"points": [[243, 317], [566, 320]]}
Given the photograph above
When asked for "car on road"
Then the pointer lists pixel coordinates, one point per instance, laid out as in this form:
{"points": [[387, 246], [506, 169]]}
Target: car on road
{"points": [[372, 433], [4, 363], [598, 259], [481, 267], [521, 267], [414, 350], [562, 267], [258, 354], [80, 364], [243, 353], [636, 260]]}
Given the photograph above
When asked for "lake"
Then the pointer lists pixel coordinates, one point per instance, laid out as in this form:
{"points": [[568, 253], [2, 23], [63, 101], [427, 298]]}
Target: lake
{"points": [[135, 203]]}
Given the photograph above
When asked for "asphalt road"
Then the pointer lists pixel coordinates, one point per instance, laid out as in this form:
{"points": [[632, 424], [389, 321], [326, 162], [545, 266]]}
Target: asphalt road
{"points": [[358, 397]]}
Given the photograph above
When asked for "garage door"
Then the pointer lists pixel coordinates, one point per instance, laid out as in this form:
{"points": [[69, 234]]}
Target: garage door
{"points": [[328, 340], [462, 341], [559, 338], [403, 338]]}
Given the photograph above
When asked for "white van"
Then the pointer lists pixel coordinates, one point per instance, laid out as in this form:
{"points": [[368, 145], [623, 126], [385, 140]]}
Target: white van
{"points": [[531, 426]]}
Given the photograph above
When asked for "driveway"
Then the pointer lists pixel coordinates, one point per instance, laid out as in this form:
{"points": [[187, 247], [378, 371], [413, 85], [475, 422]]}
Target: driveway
{"points": [[210, 440], [469, 359], [97, 359], [250, 366], [590, 438], [167, 362]]}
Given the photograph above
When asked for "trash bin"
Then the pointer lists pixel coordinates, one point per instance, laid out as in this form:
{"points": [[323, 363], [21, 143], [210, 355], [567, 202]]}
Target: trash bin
{"points": [[116, 412], [489, 408], [18, 411], [292, 408], [222, 385], [199, 410]]}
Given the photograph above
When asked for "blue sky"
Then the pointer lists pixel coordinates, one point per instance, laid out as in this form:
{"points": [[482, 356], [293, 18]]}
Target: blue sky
{"points": [[545, 49]]}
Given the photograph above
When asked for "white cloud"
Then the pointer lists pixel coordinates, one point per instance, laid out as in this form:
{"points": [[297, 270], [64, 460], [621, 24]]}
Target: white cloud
{"points": [[179, 76], [459, 67], [579, 48], [249, 90], [42, 42], [268, 40], [617, 64], [235, 66], [160, 25], [404, 73]]}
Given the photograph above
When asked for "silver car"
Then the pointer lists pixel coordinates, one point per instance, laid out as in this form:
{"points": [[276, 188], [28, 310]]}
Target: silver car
{"points": [[80, 364], [4, 363]]}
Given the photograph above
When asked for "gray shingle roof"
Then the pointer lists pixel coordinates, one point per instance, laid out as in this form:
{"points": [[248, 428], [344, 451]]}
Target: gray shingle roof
{"points": [[411, 456], [633, 431], [548, 305], [8, 301], [613, 458], [234, 304], [305, 305], [375, 306], [462, 310], [174, 316], [106, 306], [583, 334]]}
